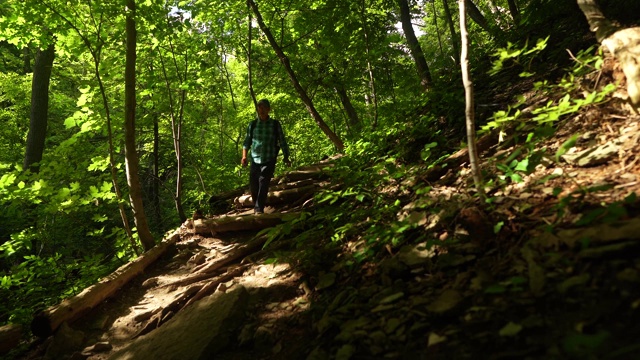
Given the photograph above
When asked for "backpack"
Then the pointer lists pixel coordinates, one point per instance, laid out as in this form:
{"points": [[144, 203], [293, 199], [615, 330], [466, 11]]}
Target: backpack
{"points": [[275, 131]]}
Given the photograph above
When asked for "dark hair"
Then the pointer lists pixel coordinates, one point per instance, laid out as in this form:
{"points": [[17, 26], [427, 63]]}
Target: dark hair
{"points": [[265, 103]]}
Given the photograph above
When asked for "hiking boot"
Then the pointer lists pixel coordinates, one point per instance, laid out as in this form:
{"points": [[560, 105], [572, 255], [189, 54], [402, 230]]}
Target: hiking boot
{"points": [[258, 211]]}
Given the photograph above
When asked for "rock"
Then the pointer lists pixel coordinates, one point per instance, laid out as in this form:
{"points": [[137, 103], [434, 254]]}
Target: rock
{"points": [[198, 258], [198, 332], [415, 255], [151, 282], [144, 316], [98, 347], [593, 156], [447, 301], [65, 341]]}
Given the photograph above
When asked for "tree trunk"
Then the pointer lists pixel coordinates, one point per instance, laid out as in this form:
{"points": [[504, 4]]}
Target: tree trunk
{"points": [[414, 45], [131, 156], [249, 68], [26, 60], [623, 44], [279, 197], [240, 223], [435, 24], [46, 322], [476, 16], [452, 30], [296, 84], [372, 78], [352, 114], [39, 108], [155, 182], [515, 13], [468, 90]]}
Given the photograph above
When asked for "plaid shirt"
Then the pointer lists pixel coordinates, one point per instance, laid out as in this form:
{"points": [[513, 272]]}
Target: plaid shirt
{"points": [[262, 142]]}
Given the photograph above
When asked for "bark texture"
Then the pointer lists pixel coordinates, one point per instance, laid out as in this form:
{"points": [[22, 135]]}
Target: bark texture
{"points": [[240, 223], [131, 156], [39, 108], [10, 336], [469, 105], [414, 45]]}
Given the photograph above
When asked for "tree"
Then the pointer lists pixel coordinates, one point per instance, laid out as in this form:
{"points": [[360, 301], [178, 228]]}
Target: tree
{"points": [[452, 30], [337, 142], [131, 156], [414, 45], [39, 108], [474, 159]]}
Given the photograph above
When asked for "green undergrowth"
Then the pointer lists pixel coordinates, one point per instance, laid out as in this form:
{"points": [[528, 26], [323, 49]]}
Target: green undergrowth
{"points": [[380, 202], [382, 174]]}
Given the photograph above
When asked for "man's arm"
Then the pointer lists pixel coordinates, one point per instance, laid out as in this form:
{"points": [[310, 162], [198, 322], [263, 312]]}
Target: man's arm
{"points": [[283, 145], [246, 145], [244, 161]]}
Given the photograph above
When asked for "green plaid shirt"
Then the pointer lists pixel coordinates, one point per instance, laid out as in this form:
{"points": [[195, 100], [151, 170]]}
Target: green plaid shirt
{"points": [[263, 141]]}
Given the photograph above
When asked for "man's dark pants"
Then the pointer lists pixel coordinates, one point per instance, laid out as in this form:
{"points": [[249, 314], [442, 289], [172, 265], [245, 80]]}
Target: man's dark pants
{"points": [[259, 177]]}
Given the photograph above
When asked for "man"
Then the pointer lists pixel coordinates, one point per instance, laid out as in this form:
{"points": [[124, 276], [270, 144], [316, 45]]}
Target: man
{"points": [[264, 138]]}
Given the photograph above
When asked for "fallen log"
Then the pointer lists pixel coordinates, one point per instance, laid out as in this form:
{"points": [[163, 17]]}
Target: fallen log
{"points": [[279, 197], [240, 223], [47, 321], [292, 185], [10, 336], [461, 156], [296, 175], [227, 195]]}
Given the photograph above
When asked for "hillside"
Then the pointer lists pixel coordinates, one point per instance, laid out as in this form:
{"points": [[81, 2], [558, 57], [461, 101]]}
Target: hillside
{"points": [[395, 259]]}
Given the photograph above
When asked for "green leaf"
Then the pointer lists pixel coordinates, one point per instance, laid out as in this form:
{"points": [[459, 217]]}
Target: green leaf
{"points": [[511, 329], [69, 123]]}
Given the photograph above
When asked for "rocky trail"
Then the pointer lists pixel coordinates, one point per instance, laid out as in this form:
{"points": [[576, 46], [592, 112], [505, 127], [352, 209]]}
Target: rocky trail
{"points": [[547, 268], [208, 291]]}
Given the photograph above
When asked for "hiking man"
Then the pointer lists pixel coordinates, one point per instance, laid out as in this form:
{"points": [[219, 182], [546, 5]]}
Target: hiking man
{"points": [[264, 138]]}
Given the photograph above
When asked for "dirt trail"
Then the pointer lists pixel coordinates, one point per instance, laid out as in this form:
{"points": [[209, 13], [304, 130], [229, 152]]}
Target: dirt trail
{"points": [[167, 288]]}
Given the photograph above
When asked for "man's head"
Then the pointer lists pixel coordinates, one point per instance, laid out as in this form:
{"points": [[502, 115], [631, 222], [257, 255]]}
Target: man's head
{"points": [[263, 109]]}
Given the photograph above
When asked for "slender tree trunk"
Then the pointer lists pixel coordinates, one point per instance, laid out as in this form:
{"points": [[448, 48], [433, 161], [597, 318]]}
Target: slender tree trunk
{"points": [[177, 133], [131, 157], [476, 16], [39, 108], [372, 78], [176, 128], [26, 60], [515, 13], [435, 23], [352, 114], [95, 54], [414, 45], [468, 90], [155, 183], [337, 142], [452, 30], [249, 67]]}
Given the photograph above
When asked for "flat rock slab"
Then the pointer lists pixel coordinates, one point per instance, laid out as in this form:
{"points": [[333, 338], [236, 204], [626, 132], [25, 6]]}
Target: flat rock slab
{"points": [[196, 333]]}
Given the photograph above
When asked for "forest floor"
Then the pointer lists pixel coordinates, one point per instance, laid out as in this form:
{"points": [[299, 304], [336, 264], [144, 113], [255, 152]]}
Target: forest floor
{"points": [[549, 268]]}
